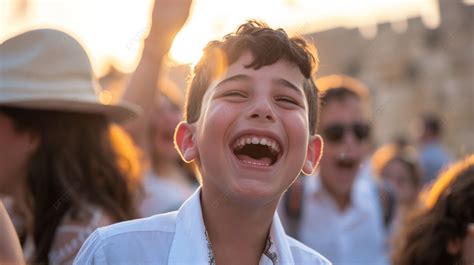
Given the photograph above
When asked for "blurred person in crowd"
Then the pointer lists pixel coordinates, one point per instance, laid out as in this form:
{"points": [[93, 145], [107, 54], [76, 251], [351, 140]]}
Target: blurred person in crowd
{"points": [[398, 167], [169, 182], [167, 19], [10, 248], [58, 160], [250, 125], [442, 231], [432, 154], [151, 131], [330, 212]]}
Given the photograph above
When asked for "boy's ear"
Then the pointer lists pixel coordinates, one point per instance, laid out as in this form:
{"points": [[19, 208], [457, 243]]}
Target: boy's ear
{"points": [[184, 141], [313, 154]]}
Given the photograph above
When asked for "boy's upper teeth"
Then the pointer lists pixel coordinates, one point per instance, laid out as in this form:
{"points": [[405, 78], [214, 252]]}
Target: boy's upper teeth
{"points": [[252, 139]]}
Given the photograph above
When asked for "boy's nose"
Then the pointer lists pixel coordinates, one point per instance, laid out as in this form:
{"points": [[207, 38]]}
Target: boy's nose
{"points": [[261, 110], [257, 116]]}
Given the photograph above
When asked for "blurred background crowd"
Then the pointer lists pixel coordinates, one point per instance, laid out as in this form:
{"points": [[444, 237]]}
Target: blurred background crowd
{"points": [[397, 91]]}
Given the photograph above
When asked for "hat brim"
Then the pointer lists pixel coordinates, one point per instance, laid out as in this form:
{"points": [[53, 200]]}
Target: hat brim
{"points": [[117, 112]]}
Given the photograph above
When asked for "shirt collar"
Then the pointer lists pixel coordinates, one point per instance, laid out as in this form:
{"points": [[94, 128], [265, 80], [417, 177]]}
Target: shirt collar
{"points": [[280, 240], [190, 244], [269, 255]]}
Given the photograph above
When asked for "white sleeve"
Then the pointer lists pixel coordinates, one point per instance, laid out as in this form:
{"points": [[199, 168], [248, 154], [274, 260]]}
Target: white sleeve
{"points": [[92, 251]]}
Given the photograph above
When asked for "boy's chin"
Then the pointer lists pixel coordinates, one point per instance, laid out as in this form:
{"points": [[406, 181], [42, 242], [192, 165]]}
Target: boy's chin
{"points": [[255, 194]]}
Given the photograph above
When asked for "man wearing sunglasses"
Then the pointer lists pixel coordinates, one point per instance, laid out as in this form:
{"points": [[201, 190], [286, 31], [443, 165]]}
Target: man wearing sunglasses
{"points": [[329, 212]]}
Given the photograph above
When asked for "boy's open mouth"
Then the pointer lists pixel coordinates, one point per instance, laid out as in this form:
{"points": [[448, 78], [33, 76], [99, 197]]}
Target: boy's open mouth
{"points": [[256, 150]]}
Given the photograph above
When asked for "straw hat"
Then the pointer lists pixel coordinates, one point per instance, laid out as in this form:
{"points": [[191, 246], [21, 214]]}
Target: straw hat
{"points": [[49, 70]]}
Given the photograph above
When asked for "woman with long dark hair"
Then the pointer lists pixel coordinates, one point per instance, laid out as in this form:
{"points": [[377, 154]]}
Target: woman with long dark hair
{"points": [[57, 155], [442, 232]]}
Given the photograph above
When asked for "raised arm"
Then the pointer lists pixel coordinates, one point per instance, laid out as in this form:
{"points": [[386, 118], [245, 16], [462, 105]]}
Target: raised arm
{"points": [[168, 17]]}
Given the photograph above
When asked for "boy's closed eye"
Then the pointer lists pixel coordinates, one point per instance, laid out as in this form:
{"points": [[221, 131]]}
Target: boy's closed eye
{"points": [[288, 94], [234, 93], [288, 101], [234, 96]]}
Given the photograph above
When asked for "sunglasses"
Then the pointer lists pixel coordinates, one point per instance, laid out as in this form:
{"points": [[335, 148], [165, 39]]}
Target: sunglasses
{"points": [[335, 132]]}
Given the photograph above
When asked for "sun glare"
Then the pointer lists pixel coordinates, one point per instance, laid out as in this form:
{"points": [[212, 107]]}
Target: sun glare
{"points": [[112, 31]]}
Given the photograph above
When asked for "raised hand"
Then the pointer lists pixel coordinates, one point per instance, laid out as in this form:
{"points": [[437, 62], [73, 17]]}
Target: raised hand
{"points": [[168, 17]]}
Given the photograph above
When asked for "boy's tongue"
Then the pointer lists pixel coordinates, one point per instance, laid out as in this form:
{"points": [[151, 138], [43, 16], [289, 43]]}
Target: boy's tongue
{"points": [[251, 160]]}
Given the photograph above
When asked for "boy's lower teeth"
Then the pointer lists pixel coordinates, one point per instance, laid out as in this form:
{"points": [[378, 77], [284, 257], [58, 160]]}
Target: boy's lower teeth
{"points": [[264, 161]]}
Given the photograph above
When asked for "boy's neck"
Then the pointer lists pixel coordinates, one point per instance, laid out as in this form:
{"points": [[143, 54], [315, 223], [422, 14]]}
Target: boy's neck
{"points": [[237, 233]]}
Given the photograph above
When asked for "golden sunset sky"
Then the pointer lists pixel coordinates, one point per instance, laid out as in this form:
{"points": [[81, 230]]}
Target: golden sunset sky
{"points": [[112, 30]]}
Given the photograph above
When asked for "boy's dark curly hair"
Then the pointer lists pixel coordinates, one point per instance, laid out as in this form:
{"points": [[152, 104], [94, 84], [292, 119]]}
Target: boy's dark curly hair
{"points": [[267, 46]]}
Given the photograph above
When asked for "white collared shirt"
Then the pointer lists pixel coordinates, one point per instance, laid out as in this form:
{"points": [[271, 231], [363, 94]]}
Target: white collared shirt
{"points": [[354, 236], [179, 238]]}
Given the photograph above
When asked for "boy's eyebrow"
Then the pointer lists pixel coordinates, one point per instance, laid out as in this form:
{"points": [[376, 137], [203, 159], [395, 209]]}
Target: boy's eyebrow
{"points": [[234, 78], [278, 81], [286, 83]]}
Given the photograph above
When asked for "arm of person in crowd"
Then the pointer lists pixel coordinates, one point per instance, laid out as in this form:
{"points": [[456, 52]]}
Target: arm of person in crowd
{"points": [[10, 249], [168, 17]]}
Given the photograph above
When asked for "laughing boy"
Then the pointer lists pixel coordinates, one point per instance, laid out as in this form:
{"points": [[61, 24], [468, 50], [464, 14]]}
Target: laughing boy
{"points": [[250, 123]]}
